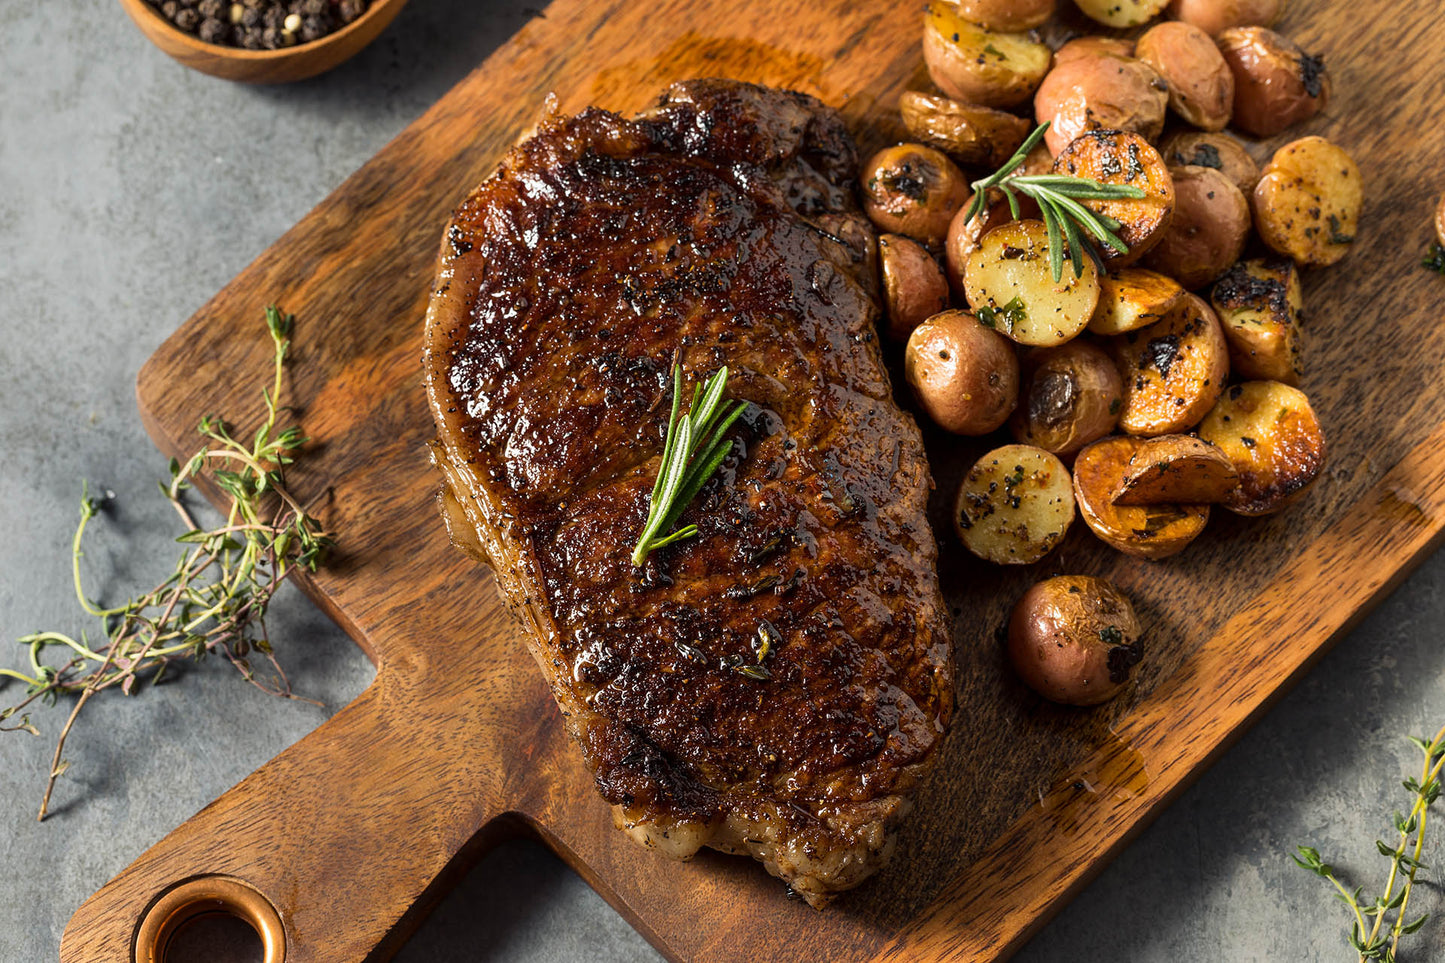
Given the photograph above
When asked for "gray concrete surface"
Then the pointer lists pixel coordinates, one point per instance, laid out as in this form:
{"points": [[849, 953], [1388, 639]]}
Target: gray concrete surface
{"points": [[130, 190]]}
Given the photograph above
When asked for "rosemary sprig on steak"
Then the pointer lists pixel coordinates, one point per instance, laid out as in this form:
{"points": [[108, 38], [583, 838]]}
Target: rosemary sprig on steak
{"points": [[215, 600], [694, 449], [1058, 197]]}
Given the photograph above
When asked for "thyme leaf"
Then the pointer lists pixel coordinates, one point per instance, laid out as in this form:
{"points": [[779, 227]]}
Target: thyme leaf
{"points": [[694, 450], [1058, 197]]}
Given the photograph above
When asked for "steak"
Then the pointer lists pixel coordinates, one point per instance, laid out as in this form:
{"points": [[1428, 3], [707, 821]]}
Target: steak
{"points": [[778, 684]]}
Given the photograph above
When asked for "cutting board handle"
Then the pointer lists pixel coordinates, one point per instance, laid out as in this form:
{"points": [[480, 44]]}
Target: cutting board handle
{"points": [[331, 850]]}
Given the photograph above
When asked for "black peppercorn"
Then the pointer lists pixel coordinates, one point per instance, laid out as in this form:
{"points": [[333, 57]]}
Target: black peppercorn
{"points": [[251, 39], [188, 19], [170, 8], [314, 28], [349, 10], [271, 37], [214, 31], [250, 17], [211, 10], [273, 16], [313, 8]]}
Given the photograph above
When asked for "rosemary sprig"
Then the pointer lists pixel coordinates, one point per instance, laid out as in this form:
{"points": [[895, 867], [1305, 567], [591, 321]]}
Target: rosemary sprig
{"points": [[1380, 939], [694, 449], [1058, 197], [214, 601]]}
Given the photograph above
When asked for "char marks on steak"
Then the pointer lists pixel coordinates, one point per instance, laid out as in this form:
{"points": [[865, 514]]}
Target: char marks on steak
{"points": [[717, 228]]}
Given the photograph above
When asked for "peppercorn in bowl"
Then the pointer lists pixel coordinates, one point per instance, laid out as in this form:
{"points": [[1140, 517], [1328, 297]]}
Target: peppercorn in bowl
{"points": [[262, 41]]}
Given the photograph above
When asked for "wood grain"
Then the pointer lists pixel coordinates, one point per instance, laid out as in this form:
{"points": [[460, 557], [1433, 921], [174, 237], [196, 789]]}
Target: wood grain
{"points": [[279, 66], [353, 833]]}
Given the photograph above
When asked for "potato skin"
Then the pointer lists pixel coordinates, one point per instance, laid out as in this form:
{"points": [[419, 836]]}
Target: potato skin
{"points": [[1259, 303], [1216, 16], [1201, 85], [966, 132], [1104, 92], [1276, 84], [1152, 531], [913, 189], [1093, 46], [1074, 639], [1307, 203], [1006, 14], [964, 375], [1273, 437], [1218, 150], [1069, 396], [1123, 157], [1440, 221], [1173, 371], [964, 235], [1207, 234], [914, 287], [962, 65]]}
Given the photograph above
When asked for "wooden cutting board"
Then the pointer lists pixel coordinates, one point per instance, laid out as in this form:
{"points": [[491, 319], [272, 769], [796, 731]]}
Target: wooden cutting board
{"points": [[352, 834]]}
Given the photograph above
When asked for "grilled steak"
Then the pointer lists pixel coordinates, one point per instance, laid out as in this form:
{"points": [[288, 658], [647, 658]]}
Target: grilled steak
{"points": [[717, 228]]}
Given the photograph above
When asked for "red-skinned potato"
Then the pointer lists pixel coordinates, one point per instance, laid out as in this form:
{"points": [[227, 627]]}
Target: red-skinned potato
{"points": [[1006, 14], [964, 235], [913, 189], [1440, 221], [1074, 639], [979, 66], [1069, 396], [1216, 16], [914, 287], [1207, 233], [1197, 148], [964, 376], [1100, 93], [1201, 86], [1276, 84], [1093, 47], [965, 132]]}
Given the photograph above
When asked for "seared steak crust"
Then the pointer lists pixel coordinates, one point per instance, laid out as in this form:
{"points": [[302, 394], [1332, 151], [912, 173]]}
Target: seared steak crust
{"points": [[717, 228]]}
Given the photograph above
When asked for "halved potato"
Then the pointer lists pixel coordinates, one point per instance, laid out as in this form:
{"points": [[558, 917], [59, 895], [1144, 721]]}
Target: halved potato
{"points": [[1276, 84], [1134, 298], [966, 132], [1068, 396], [986, 67], [1197, 148], [1440, 221], [1104, 92], [1201, 86], [1009, 282], [1176, 470], [965, 233], [1259, 306], [1006, 14], [1270, 432], [1014, 505], [1307, 204], [1121, 157], [1122, 13], [1146, 531], [1173, 371], [1207, 233]]}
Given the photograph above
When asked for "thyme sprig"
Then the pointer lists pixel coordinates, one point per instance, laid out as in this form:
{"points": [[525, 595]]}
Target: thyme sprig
{"points": [[1058, 197], [1379, 923], [695, 447], [214, 601]]}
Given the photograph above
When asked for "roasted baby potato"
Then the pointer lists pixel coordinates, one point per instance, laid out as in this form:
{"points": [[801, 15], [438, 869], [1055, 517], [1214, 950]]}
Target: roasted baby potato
{"points": [[1121, 157], [1276, 84], [1145, 531], [1006, 14], [1217, 150], [1009, 283], [1271, 434], [1216, 16], [1307, 203], [1133, 298], [1122, 13], [1172, 371], [1069, 396], [1014, 505], [980, 66], [1201, 86], [1104, 92], [964, 235], [1074, 639], [968, 133], [1092, 47], [913, 189], [914, 287], [1207, 233], [1259, 306], [1176, 470], [964, 375], [1440, 221]]}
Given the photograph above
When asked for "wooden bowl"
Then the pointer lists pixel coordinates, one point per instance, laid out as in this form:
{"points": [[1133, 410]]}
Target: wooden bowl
{"points": [[263, 66]]}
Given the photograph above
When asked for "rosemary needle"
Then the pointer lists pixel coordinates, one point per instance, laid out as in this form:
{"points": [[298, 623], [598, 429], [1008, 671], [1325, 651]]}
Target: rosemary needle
{"points": [[1058, 197], [695, 447]]}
